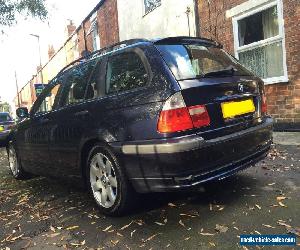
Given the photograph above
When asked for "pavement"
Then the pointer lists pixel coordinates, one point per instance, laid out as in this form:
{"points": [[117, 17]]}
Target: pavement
{"points": [[42, 213]]}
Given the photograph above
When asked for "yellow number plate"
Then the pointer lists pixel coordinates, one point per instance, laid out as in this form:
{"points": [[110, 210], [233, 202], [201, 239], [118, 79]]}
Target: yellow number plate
{"points": [[1, 128], [232, 109]]}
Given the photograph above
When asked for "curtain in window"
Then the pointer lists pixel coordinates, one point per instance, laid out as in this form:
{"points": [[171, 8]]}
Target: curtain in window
{"points": [[265, 61]]}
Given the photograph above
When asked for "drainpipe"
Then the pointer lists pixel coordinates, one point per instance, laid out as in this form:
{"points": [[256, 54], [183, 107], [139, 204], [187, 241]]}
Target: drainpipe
{"points": [[197, 18]]}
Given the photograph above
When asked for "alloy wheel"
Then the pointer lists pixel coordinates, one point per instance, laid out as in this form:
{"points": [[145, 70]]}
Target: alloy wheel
{"points": [[103, 180], [13, 161]]}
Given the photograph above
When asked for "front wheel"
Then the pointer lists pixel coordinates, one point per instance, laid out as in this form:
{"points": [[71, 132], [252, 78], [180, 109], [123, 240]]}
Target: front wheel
{"points": [[108, 182], [15, 164]]}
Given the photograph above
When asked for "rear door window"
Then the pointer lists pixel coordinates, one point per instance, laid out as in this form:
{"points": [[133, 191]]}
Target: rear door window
{"points": [[125, 71], [76, 83]]}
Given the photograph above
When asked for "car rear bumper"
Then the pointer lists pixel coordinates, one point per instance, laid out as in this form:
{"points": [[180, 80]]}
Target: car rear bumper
{"points": [[179, 163]]}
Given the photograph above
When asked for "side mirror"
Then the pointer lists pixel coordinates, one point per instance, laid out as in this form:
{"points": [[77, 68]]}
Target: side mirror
{"points": [[22, 112]]}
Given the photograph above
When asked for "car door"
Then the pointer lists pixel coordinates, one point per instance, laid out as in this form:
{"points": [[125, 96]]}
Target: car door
{"points": [[70, 120], [33, 133]]}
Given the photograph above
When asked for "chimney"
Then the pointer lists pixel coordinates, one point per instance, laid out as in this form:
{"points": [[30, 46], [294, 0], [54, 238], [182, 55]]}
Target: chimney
{"points": [[70, 28], [51, 51]]}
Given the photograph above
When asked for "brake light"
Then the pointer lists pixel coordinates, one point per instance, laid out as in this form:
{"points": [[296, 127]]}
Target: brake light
{"points": [[264, 104], [175, 116]]}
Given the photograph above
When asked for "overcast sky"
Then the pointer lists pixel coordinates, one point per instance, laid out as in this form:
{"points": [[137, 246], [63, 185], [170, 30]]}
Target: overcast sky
{"points": [[19, 50]]}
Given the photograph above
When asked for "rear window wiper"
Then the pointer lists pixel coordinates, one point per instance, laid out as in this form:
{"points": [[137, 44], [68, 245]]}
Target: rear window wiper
{"points": [[224, 72]]}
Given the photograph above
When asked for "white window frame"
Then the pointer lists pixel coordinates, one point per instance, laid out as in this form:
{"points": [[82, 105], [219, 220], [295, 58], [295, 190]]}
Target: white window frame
{"points": [[144, 8], [94, 24], [279, 38]]}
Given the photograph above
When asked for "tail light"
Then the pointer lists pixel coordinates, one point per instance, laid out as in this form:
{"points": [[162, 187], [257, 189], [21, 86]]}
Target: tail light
{"points": [[263, 104], [175, 116]]}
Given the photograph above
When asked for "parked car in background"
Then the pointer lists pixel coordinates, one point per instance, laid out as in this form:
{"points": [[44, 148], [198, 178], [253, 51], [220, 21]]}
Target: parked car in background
{"points": [[144, 116], [6, 124]]}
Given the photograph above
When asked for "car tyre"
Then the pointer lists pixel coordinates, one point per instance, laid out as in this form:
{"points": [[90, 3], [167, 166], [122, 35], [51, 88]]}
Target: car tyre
{"points": [[108, 183], [15, 164]]}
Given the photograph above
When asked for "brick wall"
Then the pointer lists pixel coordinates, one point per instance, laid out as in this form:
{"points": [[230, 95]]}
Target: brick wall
{"points": [[283, 98], [107, 17], [108, 29]]}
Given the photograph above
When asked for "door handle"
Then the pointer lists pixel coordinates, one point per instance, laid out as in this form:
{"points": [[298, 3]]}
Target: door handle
{"points": [[83, 113]]}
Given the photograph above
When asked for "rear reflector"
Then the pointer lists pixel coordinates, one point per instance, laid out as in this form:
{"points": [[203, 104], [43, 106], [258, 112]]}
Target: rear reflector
{"points": [[264, 104], [175, 116], [199, 115]]}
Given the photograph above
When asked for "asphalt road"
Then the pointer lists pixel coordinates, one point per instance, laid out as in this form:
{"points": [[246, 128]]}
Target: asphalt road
{"points": [[46, 214]]}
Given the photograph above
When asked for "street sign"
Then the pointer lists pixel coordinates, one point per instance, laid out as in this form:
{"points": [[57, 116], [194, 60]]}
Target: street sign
{"points": [[39, 88]]}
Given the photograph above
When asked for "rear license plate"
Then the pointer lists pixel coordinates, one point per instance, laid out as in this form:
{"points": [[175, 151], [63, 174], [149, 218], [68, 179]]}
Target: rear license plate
{"points": [[1, 128], [236, 108]]}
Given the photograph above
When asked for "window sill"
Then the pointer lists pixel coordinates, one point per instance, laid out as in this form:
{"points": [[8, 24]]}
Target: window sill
{"points": [[275, 80]]}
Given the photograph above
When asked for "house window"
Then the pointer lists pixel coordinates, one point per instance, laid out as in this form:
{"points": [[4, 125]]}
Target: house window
{"points": [[259, 42], [151, 5], [93, 31]]}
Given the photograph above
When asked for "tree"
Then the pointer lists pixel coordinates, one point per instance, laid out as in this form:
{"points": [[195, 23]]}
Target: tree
{"points": [[9, 9]]}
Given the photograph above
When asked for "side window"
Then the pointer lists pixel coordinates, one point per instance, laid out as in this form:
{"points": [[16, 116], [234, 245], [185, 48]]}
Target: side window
{"points": [[76, 83], [124, 72], [49, 98], [96, 87]]}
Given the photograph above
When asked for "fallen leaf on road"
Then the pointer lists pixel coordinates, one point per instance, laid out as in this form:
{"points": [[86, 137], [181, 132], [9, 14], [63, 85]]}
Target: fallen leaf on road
{"points": [[289, 228], [16, 238], [258, 206], [114, 242], [106, 229], [187, 238], [151, 237], [181, 223], [269, 226], [236, 228], [221, 228], [189, 215], [257, 232], [131, 234], [124, 227], [206, 234], [72, 228], [212, 244], [280, 198], [53, 235], [52, 229], [282, 204], [140, 222]]}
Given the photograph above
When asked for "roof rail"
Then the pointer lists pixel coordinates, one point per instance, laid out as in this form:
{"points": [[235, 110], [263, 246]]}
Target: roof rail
{"points": [[103, 51], [186, 39]]}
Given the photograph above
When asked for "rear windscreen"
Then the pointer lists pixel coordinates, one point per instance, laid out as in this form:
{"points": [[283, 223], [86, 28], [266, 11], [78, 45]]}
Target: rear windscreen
{"points": [[196, 61]]}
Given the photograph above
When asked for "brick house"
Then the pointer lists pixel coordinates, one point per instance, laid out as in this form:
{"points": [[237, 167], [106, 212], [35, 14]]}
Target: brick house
{"points": [[99, 29], [264, 35]]}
